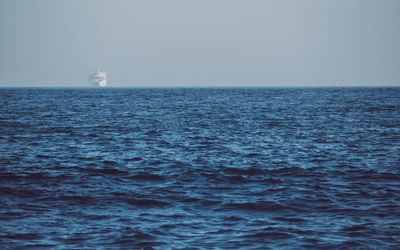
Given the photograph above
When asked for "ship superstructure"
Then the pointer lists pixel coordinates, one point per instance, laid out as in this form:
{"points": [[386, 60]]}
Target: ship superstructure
{"points": [[97, 79]]}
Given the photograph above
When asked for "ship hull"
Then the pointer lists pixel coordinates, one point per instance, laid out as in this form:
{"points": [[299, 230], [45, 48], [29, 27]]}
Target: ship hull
{"points": [[98, 83]]}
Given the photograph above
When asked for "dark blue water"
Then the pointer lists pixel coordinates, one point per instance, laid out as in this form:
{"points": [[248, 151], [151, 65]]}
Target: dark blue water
{"points": [[206, 168]]}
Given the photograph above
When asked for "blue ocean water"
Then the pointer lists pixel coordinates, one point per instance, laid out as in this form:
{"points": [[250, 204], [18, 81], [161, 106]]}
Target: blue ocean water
{"points": [[203, 168]]}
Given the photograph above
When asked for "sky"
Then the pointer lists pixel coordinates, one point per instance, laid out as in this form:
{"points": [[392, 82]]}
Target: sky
{"points": [[146, 43]]}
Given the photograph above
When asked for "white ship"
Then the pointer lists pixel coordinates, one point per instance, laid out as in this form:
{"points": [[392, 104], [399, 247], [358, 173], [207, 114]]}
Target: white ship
{"points": [[98, 79]]}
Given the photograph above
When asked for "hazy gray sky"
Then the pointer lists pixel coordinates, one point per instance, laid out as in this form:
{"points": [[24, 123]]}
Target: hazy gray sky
{"points": [[200, 42]]}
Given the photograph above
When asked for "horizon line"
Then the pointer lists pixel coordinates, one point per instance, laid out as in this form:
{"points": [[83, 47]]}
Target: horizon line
{"points": [[203, 86]]}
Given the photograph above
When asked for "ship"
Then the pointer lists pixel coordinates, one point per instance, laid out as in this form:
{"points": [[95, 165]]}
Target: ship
{"points": [[97, 79]]}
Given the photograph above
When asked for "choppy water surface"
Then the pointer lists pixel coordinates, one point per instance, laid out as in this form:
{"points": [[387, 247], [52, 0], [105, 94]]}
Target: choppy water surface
{"points": [[228, 168]]}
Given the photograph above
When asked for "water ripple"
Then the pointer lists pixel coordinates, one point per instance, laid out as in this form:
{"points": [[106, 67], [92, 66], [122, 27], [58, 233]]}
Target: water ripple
{"points": [[201, 168]]}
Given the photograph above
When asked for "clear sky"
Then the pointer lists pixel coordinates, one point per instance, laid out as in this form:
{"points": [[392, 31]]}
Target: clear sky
{"points": [[200, 42]]}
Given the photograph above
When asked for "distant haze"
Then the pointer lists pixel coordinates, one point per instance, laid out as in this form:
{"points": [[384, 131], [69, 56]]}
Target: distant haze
{"points": [[200, 42]]}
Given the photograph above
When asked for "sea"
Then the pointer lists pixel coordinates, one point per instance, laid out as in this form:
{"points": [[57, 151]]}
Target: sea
{"points": [[199, 168]]}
